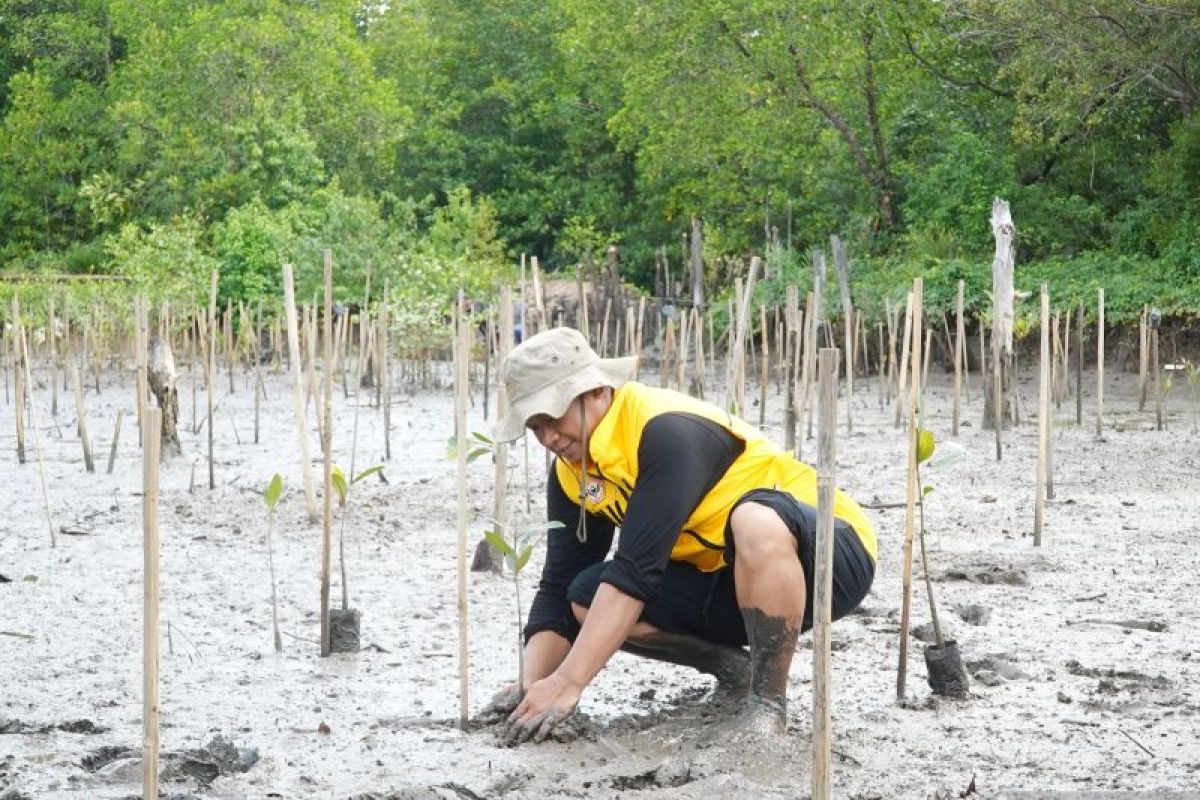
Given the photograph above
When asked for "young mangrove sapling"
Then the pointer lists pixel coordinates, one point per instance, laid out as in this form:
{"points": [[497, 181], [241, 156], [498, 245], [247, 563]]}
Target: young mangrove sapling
{"points": [[516, 555], [271, 498], [946, 673]]}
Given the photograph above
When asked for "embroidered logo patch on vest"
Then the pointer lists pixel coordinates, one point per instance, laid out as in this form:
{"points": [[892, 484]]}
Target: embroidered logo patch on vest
{"points": [[594, 492]]}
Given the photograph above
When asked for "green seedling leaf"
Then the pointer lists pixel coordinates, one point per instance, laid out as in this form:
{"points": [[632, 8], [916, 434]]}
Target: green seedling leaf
{"points": [[30, 579], [273, 491], [338, 479], [523, 558], [497, 541], [948, 454], [925, 446], [928, 490], [476, 453], [366, 473], [482, 438]]}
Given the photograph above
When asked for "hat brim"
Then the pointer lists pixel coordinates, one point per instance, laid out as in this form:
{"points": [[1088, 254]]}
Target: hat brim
{"points": [[555, 399]]}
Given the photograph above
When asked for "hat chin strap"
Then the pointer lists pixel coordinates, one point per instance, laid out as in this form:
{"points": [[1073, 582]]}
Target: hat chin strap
{"points": [[581, 527]]}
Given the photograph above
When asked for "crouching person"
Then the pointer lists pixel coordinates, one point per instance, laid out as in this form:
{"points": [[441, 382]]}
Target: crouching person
{"points": [[713, 567]]}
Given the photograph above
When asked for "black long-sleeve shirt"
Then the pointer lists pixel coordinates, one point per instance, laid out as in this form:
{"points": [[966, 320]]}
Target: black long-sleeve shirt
{"points": [[681, 458]]}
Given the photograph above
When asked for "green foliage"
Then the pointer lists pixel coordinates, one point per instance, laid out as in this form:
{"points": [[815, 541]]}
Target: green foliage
{"points": [[340, 485], [477, 445], [273, 491]]}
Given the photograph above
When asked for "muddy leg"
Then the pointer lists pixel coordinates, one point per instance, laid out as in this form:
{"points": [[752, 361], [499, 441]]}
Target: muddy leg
{"points": [[771, 593]]}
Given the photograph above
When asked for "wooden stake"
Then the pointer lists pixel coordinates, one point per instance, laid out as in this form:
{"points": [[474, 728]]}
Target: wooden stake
{"points": [[959, 354], [735, 398], [918, 301], [906, 347], [81, 415], [1100, 362], [52, 341], [810, 337], [461, 363], [112, 450], [18, 378], [384, 375], [764, 374], [841, 265], [327, 451], [1143, 358], [1079, 368], [152, 441], [37, 439], [1039, 507], [500, 498], [823, 579], [1158, 395], [208, 374], [293, 333]]}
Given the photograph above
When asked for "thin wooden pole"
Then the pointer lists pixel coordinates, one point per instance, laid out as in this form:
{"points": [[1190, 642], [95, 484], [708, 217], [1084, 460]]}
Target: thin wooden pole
{"points": [[18, 378], [1039, 506], [764, 373], [208, 373], [823, 583], [37, 439], [1143, 358], [461, 376], [810, 338], [1100, 362], [81, 414], [918, 300], [52, 341], [1158, 395], [500, 498], [735, 398], [152, 441], [112, 450], [384, 375], [293, 333], [1079, 368], [959, 354], [906, 347], [327, 451]]}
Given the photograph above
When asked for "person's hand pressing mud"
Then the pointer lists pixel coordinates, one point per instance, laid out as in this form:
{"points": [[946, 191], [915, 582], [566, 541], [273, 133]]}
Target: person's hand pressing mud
{"points": [[502, 704], [547, 703]]}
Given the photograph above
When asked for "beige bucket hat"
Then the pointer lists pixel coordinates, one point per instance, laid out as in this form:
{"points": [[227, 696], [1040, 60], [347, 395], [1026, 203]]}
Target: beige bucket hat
{"points": [[543, 374]]}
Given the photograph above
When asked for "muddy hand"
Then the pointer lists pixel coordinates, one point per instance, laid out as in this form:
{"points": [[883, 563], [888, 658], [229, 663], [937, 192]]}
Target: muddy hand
{"points": [[501, 705], [547, 703]]}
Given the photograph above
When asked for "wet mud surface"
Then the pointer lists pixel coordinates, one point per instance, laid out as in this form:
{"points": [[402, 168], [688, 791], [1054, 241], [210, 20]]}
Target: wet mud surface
{"points": [[1082, 654]]}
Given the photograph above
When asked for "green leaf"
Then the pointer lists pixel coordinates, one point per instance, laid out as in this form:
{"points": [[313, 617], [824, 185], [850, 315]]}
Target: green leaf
{"points": [[928, 490], [482, 438], [925, 446], [948, 454], [497, 541], [476, 453], [523, 558], [273, 491], [338, 479], [366, 473]]}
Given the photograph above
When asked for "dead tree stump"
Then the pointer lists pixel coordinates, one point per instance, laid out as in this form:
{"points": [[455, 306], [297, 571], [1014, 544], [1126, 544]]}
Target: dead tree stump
{"points": [[161, 375]]}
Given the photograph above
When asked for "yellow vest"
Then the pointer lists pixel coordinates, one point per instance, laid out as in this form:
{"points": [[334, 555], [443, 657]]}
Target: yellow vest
{"points": [[613, 472]]}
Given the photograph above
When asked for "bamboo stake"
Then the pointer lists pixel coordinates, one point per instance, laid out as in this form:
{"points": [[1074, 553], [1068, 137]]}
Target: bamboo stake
{"points": [[51, 339], [764, 368], [293, 333], [500, 498], [112, 450], [925, 356], [81, 415], [258, 379], [1079, 368], [18, 378], [1158, 395], [959, 353], [1100, 362], [139, 357], [910, 321], [384, 372], [735, 398], [918, 300], [37, 439], [1039, 507], [880, 378], [685, 330], [152, 438], [823, 585], [1143, 359], [208, 374], [1055, 356], [810, 337], [699, 374], [461, 363], [327, 451]]}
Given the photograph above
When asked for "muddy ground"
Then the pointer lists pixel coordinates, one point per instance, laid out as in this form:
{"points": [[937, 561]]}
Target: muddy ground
{"points": [[1084, 652]]}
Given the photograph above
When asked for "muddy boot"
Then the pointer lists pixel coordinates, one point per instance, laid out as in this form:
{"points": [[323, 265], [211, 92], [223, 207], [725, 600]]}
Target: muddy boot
{"points": [[729, 665], [772, 643]]}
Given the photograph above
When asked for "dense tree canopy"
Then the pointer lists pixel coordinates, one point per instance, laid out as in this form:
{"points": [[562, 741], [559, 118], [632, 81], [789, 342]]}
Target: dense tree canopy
{"points": [[424, 138]]}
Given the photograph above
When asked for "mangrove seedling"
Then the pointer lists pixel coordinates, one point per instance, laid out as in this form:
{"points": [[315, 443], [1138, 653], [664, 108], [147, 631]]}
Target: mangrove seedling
{"points": [[342, 487], [946, 673], [516, 555], [271, 497]]}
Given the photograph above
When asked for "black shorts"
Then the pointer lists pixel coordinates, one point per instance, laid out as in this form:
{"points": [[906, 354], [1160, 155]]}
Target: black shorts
{"points": [[704, 604]]}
